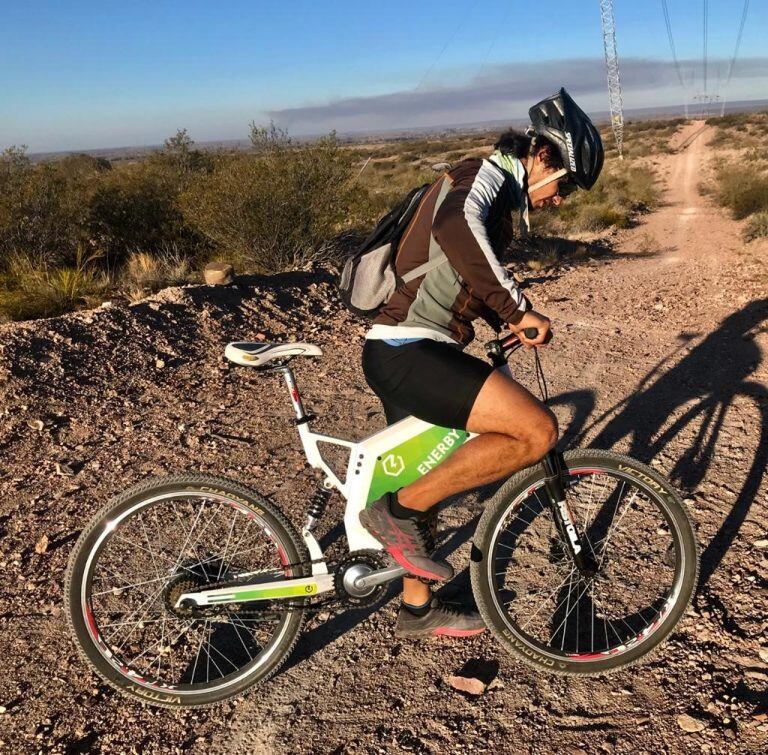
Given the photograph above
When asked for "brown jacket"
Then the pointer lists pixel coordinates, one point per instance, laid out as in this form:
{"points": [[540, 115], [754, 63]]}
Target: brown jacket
{"points": [[473, 225]]}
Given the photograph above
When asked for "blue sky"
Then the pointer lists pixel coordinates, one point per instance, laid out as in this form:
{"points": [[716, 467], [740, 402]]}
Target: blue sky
{"points": [[79, 75]]}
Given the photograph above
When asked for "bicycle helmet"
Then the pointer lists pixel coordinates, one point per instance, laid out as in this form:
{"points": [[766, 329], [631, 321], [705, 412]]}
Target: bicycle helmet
{"points": [[568, 127]]}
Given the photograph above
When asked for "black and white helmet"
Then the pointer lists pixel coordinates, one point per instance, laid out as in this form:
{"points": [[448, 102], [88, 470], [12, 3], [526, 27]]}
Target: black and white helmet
{"points": [[559, 119]]}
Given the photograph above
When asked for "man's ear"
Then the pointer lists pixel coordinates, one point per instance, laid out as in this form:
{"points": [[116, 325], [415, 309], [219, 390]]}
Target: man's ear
{"points": [[544, 154]]}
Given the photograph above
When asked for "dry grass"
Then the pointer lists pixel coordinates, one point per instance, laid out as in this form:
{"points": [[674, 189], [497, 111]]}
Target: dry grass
{"points": [[757, 227], [145, 273], [29, 288]]}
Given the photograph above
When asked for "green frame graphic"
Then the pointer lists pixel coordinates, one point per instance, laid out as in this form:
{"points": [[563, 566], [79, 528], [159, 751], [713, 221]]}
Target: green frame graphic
{"points": [[406, 462]]}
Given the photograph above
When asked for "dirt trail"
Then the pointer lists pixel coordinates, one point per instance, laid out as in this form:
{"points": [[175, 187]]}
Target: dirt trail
{"points": [[660, 352]]}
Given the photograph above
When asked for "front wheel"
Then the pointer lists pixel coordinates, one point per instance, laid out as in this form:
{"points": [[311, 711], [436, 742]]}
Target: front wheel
{"points": [[158, 540], [542, 608]]}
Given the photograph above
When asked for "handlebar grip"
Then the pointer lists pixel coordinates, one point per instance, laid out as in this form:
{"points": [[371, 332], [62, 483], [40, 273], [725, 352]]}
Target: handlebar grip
{"points": [[531, 333]]}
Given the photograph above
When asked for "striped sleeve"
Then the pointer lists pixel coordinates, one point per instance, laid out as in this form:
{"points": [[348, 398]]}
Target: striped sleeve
{"points": [[460, 229]]}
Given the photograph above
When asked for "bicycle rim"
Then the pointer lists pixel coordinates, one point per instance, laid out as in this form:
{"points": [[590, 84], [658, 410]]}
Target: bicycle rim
{"points": [[564, 616], [159, 547]]}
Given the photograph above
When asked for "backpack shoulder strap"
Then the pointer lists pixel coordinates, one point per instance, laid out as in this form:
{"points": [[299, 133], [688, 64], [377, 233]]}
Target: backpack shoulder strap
{"points": [[436, 254]]}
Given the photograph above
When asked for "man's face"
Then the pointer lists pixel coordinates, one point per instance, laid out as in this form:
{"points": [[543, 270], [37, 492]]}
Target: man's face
{"points": [[547, 195]]}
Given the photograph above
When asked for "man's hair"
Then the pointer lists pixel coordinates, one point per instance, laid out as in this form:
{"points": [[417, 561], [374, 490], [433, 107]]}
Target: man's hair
{"points": [[513, 142]]}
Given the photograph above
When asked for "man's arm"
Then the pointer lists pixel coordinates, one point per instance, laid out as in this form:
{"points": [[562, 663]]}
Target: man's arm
{"points": [[460, 229]]}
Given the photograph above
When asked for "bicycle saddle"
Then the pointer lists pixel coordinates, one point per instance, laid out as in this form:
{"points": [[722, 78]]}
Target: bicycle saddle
{"points": [[260, 354]]}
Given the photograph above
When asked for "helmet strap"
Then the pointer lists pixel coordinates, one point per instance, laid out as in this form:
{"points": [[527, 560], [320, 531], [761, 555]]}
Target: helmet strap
{"points": [[556, 176]]}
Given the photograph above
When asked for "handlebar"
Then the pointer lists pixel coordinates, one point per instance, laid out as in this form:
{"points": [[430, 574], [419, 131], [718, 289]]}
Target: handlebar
{"points": [[500, 349]]}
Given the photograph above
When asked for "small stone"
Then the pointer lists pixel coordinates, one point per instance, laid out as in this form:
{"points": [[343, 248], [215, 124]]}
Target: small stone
{"points": [[761, 544], [763, 653], [690, 724], [41, 546], [64, 470], [465, 684], [3, 709], [218, 274], [159, 363], [36, 424]]}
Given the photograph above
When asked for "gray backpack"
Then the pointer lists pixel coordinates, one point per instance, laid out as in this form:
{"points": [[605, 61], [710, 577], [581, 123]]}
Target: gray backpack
{"points": [[369, 278]]}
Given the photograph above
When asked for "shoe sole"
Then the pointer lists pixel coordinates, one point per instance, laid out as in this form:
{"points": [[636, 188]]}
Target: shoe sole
{"points": [[448, 632], [397, 553]]}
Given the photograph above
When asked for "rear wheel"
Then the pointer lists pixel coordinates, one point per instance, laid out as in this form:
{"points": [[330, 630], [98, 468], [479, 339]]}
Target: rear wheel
{"points": [[538, 604], [158, 540]]}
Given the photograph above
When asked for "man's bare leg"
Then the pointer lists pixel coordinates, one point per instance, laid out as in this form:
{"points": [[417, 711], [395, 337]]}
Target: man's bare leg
{"points": [[516, 430]]}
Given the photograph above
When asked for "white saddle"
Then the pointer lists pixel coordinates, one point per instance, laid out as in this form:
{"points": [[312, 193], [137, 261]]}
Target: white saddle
{"points": [[259, 354]]}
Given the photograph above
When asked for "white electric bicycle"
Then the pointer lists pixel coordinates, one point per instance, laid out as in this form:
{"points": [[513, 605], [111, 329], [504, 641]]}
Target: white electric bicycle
{"points": [[186, 590]]}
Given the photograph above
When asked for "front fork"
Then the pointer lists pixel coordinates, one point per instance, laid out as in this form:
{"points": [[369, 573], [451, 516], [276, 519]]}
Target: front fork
{"points": [[555, 478]]}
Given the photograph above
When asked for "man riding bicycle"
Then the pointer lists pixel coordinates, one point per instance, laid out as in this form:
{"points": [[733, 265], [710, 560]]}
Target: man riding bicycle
{"points": [[413, 357]]}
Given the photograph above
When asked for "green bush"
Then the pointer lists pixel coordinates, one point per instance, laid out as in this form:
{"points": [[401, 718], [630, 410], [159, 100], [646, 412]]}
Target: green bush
{"points": [[742, 191], [274, 209], [137, 209], [757, 227]]}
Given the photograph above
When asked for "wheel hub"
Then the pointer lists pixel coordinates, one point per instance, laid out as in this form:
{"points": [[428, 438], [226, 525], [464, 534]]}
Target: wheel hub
{"points": [[176, 587]]}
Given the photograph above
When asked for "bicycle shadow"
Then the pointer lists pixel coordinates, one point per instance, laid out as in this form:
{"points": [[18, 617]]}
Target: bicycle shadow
{"points": [[703, 384]]}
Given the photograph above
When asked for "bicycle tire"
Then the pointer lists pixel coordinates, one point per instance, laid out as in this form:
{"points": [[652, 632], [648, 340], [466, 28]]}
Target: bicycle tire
{"points": [[290, 540], [483, 583]]}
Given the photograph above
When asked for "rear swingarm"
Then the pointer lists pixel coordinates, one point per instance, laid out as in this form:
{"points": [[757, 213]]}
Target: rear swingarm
{"points": [[246, 592]]}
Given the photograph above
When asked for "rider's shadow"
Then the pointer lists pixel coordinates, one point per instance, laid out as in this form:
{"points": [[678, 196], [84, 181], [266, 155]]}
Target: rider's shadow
{"points": [[700, 388]]}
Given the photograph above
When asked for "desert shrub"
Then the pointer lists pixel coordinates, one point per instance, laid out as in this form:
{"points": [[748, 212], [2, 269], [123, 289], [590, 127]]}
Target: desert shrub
{"points": [[137, 208], [43, 207], [742, 191], [29, 288], [757, 227], [273, 209], [617, 195]]}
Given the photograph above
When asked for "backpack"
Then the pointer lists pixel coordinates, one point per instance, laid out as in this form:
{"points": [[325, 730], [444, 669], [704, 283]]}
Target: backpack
{"points": [[368, 278]]}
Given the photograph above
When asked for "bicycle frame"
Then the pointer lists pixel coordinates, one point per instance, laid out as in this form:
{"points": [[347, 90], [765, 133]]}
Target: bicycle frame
{"points": [[383, 462]]}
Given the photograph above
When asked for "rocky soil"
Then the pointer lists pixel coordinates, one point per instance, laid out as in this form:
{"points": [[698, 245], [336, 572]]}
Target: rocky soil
{"points": [[659, 352]]}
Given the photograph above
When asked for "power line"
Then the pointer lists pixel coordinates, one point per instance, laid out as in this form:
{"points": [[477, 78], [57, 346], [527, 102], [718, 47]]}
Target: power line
{"points": [[672, 42], [738, 42], [462, 24], [608, 23]]}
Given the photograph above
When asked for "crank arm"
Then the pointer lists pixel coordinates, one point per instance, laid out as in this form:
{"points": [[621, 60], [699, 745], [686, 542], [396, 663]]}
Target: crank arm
{"points": [[379, 577], [279, 589]]}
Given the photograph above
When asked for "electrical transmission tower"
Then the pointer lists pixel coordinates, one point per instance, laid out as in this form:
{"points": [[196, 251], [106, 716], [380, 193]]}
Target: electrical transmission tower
{"points": [[612, 69]]}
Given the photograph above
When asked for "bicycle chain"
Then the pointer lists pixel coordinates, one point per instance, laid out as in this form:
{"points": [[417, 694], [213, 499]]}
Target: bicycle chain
{"points": [[303, 605]]}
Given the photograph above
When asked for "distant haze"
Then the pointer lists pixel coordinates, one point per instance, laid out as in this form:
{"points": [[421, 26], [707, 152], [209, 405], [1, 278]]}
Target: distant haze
{"points": [[508, 91]]}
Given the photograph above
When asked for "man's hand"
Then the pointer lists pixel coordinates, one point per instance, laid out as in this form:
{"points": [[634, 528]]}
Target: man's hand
{"points": [[533, 319]]}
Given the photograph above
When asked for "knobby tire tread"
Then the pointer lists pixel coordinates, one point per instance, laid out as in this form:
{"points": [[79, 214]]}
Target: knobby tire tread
{"points": [[188, 480], [500, 502]]}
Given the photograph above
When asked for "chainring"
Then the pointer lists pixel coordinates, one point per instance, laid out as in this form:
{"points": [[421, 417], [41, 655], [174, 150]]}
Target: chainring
{"points": [[370, 559]]}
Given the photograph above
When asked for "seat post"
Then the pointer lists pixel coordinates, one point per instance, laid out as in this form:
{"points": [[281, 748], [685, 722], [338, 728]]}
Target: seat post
{"points": [[298, 406]]}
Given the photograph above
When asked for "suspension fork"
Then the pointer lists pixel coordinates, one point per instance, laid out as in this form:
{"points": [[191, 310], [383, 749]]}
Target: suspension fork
{"points": [[555, 485]]}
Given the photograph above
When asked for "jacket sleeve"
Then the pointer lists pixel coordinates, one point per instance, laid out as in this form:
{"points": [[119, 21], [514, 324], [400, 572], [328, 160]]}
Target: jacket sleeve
{"points": [[460, 229]]}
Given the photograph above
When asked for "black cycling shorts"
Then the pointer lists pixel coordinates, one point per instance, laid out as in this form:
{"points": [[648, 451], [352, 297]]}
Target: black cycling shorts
{"points": [[431, 380]]}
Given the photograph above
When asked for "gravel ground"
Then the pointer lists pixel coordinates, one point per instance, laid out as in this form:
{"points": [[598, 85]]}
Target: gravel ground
{"points": [[659, 353]]}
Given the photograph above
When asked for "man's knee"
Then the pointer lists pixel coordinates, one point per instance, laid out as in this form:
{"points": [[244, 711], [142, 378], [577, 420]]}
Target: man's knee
{"points": [[542, 433]]}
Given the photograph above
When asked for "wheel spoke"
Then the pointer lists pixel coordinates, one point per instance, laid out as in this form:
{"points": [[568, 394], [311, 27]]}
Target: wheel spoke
{"points": [[175, 544], [543, 597]]}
